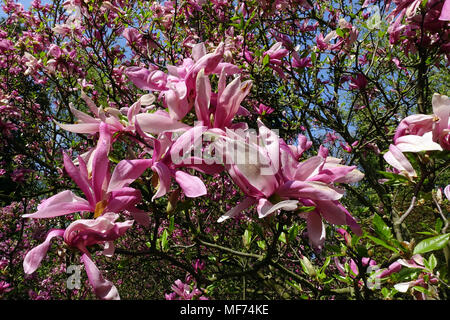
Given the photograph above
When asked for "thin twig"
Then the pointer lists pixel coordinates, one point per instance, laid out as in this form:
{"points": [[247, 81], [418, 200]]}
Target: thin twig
{"points": [[407, 212]]}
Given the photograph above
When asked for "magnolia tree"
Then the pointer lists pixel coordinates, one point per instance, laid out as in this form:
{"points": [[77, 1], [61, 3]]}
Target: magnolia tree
{"points": [[225, 149]]}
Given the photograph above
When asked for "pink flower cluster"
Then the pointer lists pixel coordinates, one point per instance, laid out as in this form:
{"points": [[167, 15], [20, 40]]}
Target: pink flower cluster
{"points": [[273, 178], [420, 132]]}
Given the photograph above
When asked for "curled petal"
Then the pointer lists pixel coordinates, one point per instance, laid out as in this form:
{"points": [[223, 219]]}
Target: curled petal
{"points": [[34, 256], [237, 209], [265, 207], [104, 289], [192, 186], [316, 229], [163, 175], [398, 160]]}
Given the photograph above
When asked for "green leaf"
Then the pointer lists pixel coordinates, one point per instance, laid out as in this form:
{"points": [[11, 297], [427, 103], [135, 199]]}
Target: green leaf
{"points": [[293, 232], [247, 238], [307, 266], [381, 228], [171, 224], [305, 209], [393, 177], [164, 240], [282, 237], [266, 60], [432, 262], [423, 290], [339, 32], [432, 244], [382, 243], [261, 244], [438, 225]]}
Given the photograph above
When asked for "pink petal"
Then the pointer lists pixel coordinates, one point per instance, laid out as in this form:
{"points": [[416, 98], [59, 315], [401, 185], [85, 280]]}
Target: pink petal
{"points": [[176, 100], [271, 144], [104, 289], [308, 168], [60, 204], [393, 268], [203, 97], [157, 123], [445, 12], [316, 229], [123, 199], [90, 128], [126, 172], [247, 202], [100, 162], [265, 207], [191, 139], [441, 108], [413, 143], [310, 190], [398, 160], [83, 117], [225, 100], [79, 178], [34, 257], [164, 177], [192, 186], [147, 79], [198, 51], [91, 105], [447, 192]]}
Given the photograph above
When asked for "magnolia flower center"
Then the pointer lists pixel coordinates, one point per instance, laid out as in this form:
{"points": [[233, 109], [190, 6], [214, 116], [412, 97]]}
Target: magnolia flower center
{"points": [[99, 208]]}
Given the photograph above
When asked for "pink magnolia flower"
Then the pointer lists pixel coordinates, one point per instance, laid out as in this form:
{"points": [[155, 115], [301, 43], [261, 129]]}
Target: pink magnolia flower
{"points": [[262, 109], [218, 110], [421, 132], [5, 287], [276, 53], [178, 86], [416, 262], [273, 180], [354, 270], [166, 162], [183, 291], [360, 82], [104, 192], [91, 125], [80, 234], [298, 62]]}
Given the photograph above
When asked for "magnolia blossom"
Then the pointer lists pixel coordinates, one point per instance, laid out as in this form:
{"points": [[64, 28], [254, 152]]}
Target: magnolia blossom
{"points": [[267, 170], [81, 234], [178, 85], [104, 192], [91, 125], [166, 162], [421, 132], [416, 262]]}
